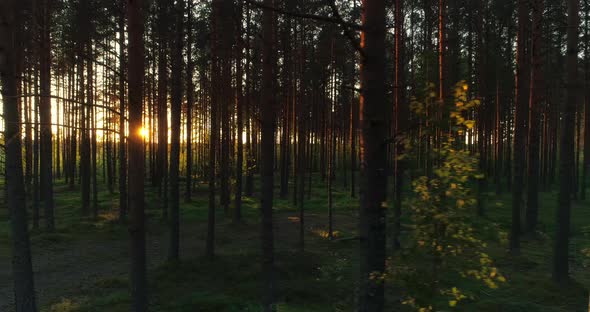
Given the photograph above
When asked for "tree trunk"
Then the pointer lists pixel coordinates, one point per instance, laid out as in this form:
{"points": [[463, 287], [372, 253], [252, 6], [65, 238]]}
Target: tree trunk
{"points": [[585, 172], [176, 109], [122, 145], [162, 167], [520, 126], [536, 100], [267, 123], [566, 157], [373, 177], [24, 288], [214, 131], [237, 215], [400, 112], [46, 170], [135, 73], [190, 102]]}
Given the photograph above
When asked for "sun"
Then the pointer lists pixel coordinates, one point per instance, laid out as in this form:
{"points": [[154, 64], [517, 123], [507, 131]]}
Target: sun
{"points": [[144, 132]]}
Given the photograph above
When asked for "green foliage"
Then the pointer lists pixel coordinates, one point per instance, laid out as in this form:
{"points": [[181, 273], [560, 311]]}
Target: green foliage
{"points": [[442, 217]]}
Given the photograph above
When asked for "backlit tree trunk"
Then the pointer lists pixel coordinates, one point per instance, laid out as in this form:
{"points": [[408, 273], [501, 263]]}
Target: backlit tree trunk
{"points": [[24, 288], [267, 124], [45, 114], [373, 177], [135, 74], [176, 109]]}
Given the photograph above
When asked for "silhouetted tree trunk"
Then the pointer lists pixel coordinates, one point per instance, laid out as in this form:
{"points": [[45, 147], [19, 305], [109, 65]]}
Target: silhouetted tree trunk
{"points": [[566, 157], [237, 215], [135, 74], [24, 288], [190, 102], [520, 126], [84, 47], [536, 99], [483, 116], [162, 167], [176, 109], [46, 172], [214, 129], [373, 177], [586, 173], [301, 165], [267, 124], [28, 139], [224, 19], [248, 111], [92, 128], [400, 121], [36, 197], [122, 145]]}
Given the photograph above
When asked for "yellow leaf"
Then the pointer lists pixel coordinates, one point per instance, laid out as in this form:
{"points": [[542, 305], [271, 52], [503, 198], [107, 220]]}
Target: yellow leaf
{"points": [[452, 303]]}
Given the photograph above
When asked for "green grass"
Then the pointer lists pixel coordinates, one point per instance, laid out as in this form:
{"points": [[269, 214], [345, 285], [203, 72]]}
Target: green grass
{"points": [[322, 279]]}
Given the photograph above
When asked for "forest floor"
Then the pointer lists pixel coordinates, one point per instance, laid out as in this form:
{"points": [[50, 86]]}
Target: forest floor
{"points": [[83, 265]]}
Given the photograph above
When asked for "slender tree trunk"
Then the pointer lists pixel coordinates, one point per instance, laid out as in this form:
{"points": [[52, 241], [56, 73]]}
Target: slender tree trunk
{"points": [[354, 113], [237, 215], [136, 159], [24, 287], [248, 111], [162, 167], [520, 126], [225, 20], [566, 157], [176, 109], [190, 102], [28, 139], [122, 145], [36, 197], [267, 123], [585, 172], [92, 135], [301, 164], [45, 115], [400, 119], [214, 132], [536, 99], [483, 109]]}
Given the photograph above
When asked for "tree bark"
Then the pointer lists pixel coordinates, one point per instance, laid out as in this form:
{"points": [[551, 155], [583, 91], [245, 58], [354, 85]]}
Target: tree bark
{"points": [[46, 172], [24, 287], [122, 137], [536, 100], [237, 215], [520, 126], [267, 123], [373, 177], [566, 157], [135, 74], [585, 172], [176, 109]]}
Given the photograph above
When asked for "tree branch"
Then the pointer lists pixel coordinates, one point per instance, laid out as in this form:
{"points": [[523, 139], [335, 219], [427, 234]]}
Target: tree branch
{"points": [[347, 32], [333, 20]]}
